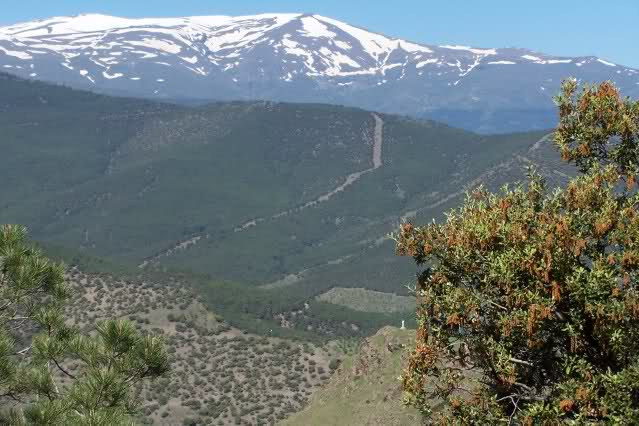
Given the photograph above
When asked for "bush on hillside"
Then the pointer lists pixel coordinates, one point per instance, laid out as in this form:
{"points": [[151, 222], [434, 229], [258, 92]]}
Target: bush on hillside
{"points": [[528, 308]]}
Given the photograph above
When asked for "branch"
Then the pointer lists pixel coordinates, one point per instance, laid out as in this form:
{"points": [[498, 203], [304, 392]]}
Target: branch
{"points": [[531, 391], [522, 362], [25, 350], [524, 386], [516, 404], [18, 326], [11, 395], [55, 386], [497, 305], [18, 318], [507, 397], [135, 379], [66, 373]]}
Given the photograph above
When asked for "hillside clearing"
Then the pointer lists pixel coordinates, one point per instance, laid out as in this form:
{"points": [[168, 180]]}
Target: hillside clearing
{"points": [[365, 300]]}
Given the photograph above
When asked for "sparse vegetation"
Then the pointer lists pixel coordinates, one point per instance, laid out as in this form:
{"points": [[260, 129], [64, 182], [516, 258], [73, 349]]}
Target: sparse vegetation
{"points": [[50, 372], [219, 373]]}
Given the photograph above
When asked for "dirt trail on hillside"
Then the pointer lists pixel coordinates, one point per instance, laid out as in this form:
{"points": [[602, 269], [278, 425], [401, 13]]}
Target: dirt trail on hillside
{"points": [[379, 141], [350, 180], [295, 277]]}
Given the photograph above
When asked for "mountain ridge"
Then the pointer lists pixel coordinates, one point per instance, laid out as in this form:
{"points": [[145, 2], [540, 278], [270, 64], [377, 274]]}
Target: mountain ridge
{"points": [[299, 58]]}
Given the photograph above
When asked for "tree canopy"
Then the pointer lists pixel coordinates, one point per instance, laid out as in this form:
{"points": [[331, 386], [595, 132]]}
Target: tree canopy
{"points": [[49, 372], [528, 304]]}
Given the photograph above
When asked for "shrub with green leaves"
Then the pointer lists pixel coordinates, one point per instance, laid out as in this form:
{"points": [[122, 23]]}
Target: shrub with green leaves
{"points": [[528, 307], [49, 372]]}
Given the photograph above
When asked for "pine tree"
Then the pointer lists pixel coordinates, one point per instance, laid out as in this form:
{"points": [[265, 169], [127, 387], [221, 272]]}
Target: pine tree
{"points": [[49, 372], [528, 307]]}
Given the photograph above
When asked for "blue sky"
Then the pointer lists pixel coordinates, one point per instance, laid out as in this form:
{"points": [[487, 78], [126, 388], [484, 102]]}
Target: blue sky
{"points": [[609, 29]]}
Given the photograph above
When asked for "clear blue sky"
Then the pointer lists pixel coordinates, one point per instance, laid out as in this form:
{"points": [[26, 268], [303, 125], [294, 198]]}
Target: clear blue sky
{"points": [[606, 28]]}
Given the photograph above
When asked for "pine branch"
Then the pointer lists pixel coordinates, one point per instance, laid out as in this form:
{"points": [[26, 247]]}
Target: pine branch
{"points": [[65, 372]]}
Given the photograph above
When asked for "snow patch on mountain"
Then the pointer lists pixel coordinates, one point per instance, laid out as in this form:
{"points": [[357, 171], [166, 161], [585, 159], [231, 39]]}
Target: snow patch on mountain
{"points": [[111, 76], [314, 28], [376, 45], [484, 52], [89, 23], [191, 60], [156, 44], [336, 60], [145, 55], [294, 48], [542, 61], [16, 53], [610, 64], [532, 58], [426, 62]]}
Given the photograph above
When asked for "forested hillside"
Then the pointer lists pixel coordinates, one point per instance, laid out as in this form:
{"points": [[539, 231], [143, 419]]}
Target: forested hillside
{"points": [[279, 202]]}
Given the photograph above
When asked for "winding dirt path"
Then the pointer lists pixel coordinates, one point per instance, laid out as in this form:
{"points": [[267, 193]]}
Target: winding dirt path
{"points": [[350, 179], [378, 141], [295, 277]]}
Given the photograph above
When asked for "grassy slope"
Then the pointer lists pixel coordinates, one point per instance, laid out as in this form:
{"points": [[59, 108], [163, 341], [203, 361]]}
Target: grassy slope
{"points": [[366, 389], [365, 300]]}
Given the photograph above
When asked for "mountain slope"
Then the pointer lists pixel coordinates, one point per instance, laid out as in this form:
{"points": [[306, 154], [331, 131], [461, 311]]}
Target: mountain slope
{"points": [[239, 191], [366, 389], [213, 364], [300, 58]]}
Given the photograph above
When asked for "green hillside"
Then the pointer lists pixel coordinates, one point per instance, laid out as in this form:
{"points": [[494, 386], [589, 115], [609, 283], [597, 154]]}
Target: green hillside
{"points": [[165, 186]]}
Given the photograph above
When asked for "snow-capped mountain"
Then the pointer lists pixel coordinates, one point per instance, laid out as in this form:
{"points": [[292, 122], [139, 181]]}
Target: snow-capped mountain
{"points": [[298, 57]]}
